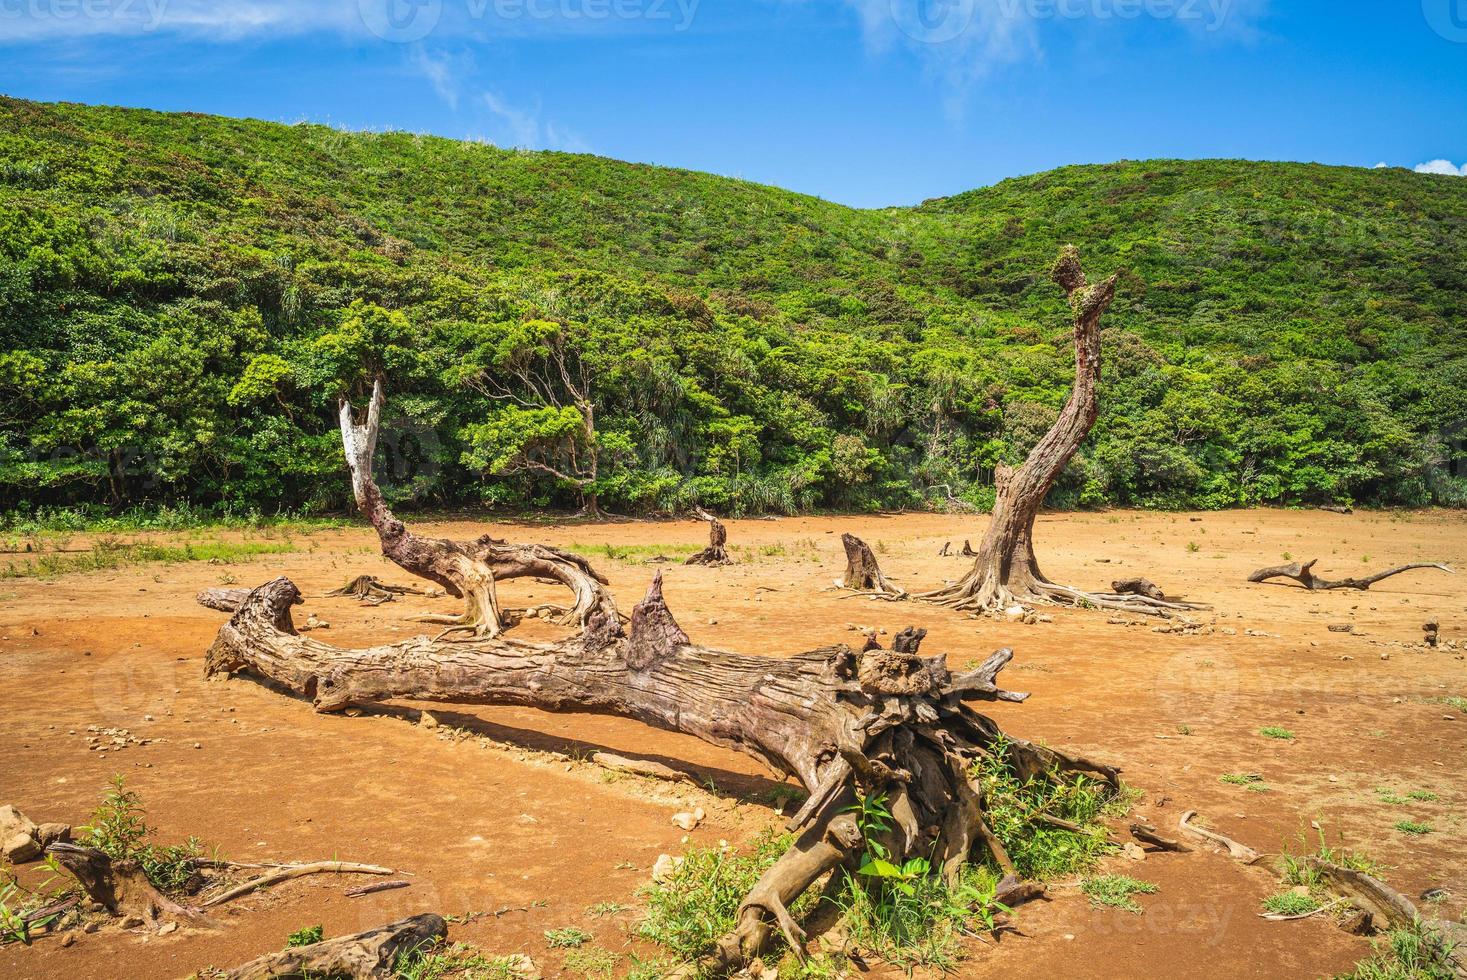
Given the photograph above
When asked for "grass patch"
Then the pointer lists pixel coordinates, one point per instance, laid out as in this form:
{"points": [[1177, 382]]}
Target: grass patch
{"points": [[635, 552], [913, 918], [1455, 702], [1291, 903], [1413, 827], [1041, 851], [591, 961], [695, 906], [1274, 731], [1422, 796], [100, 520], [1406, 954], [568, 938], [438, 962], [602, 910], [1240, 778], [1116, 891], [109, 554]]}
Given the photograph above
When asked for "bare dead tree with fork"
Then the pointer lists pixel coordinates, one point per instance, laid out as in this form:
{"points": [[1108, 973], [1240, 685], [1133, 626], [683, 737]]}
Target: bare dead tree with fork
{"points": [[1304, 575], [1005, 570], [465, 569]]}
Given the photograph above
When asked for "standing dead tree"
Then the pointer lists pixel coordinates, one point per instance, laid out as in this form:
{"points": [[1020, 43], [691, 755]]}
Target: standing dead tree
{"points": [[1304, 575], [717, 552], [465, 569], [371, 591], [843, 722], [863, 572], [1005, 570]]}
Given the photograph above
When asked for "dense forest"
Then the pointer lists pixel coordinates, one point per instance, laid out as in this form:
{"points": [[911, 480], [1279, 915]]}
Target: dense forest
{"points": [[183, 299]]}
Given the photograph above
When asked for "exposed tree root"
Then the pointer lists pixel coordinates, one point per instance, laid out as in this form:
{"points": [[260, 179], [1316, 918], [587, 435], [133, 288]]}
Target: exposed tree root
{"points": [[373, 592], [843, 722], [1237, 851], [1304, 575], [120, 887], [370, 955], [287, 872]]}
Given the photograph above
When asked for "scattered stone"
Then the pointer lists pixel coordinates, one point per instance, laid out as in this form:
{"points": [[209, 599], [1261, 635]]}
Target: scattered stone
{"points": [[1133, 851], [427, 720], [68, 940], [1014, 614], [167, 928], [132, 922], [685, 821], [520, 967], [1341, 627], [19, 848]]}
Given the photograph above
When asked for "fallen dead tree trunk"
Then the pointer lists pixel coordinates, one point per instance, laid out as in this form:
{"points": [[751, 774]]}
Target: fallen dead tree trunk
{"points": [[842, 722], [1304, 575], [465, 569], [370, 955]]}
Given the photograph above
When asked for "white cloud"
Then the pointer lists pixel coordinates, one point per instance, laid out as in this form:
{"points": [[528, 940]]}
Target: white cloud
{"points": [[526, 130], [1445, 167], [442, 71], [39, 20], [1381, 166]]}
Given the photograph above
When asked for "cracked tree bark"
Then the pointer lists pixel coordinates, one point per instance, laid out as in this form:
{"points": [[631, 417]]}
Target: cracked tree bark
{"points": [[863, 572], [465, 569], [1304, 575], [840, 721], [1005, 570]]}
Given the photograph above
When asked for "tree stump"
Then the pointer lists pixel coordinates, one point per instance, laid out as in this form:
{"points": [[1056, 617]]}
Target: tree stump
{"points": [[863, 572]]}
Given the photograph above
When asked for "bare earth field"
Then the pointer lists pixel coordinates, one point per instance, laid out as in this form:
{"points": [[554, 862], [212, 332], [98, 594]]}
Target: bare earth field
{"points": [[510, 821]]}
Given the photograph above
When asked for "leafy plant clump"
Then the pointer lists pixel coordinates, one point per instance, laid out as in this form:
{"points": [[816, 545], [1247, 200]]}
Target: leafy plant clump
{"points": [[306, 936], [567, 938], [1116, 891], [1407, 954], [1413, 827], [1274, 731], [118, 829], [1291, 903]]}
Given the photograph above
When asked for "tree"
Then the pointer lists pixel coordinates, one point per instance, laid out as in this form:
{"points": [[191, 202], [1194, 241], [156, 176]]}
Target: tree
{"points": [[547, 421], [1006, 571]]}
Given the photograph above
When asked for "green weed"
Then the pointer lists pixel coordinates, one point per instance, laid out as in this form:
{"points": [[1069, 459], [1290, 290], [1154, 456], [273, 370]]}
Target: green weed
{"points": [[1116, 891]]}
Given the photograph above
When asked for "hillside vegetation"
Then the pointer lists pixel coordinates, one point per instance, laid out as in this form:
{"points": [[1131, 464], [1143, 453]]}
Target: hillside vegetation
{"points": [[183, 298]]}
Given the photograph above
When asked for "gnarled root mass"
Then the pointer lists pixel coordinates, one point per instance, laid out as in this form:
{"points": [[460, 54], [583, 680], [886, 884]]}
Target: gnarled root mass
{"points": [[843, 722], [1304, 575], [370, 955], [371, 591]]}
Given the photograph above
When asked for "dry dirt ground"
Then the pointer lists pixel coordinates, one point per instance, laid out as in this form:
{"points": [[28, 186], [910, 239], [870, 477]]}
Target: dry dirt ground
{"points": [[510, 821]]}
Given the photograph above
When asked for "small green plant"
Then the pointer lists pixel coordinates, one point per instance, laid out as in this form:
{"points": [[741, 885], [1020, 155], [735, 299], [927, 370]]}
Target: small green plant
{"points": [[1455, 702], [567, 938], [1423, 796], [1116, 891], [1413, 828], [1274, 731], [1407, 954], [434, 961], [1193, 546], [118, 829], [1184, 729], [1291, 903], [308, 936], [603, 909], [1240, 778]]}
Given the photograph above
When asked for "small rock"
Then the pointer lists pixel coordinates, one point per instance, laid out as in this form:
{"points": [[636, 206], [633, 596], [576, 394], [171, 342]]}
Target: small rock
{"points": [[52, 833], [132, 922], [12, 822], [521, 967], [68, 940], [167, 927], [664, 867], [19, 848], [426, 720], [699, 814], [1014, 614], [198, 745], [90, 927], [1133, 851], [685, 821]]}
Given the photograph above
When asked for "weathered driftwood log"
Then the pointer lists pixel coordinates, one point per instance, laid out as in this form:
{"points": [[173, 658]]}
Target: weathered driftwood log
{"points": [[843, 722], [1005, 570], [1386, 909], [370, 955], [120, 887], [1237, 851], [372, 591], [222, 600], [465, 569], [717, 552], [1304, 575], [1138, 586], [863, 572], [290, 871]]}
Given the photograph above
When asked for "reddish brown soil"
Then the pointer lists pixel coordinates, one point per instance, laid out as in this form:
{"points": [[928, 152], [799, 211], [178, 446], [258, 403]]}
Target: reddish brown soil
{"points": [[504, 821]]}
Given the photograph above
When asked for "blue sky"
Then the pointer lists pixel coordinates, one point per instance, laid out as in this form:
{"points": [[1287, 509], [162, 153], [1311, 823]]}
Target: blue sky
{"points": [[867, 102]]}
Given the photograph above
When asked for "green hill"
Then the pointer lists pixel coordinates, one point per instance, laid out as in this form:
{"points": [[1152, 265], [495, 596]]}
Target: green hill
{"points": [[184, 297]]}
